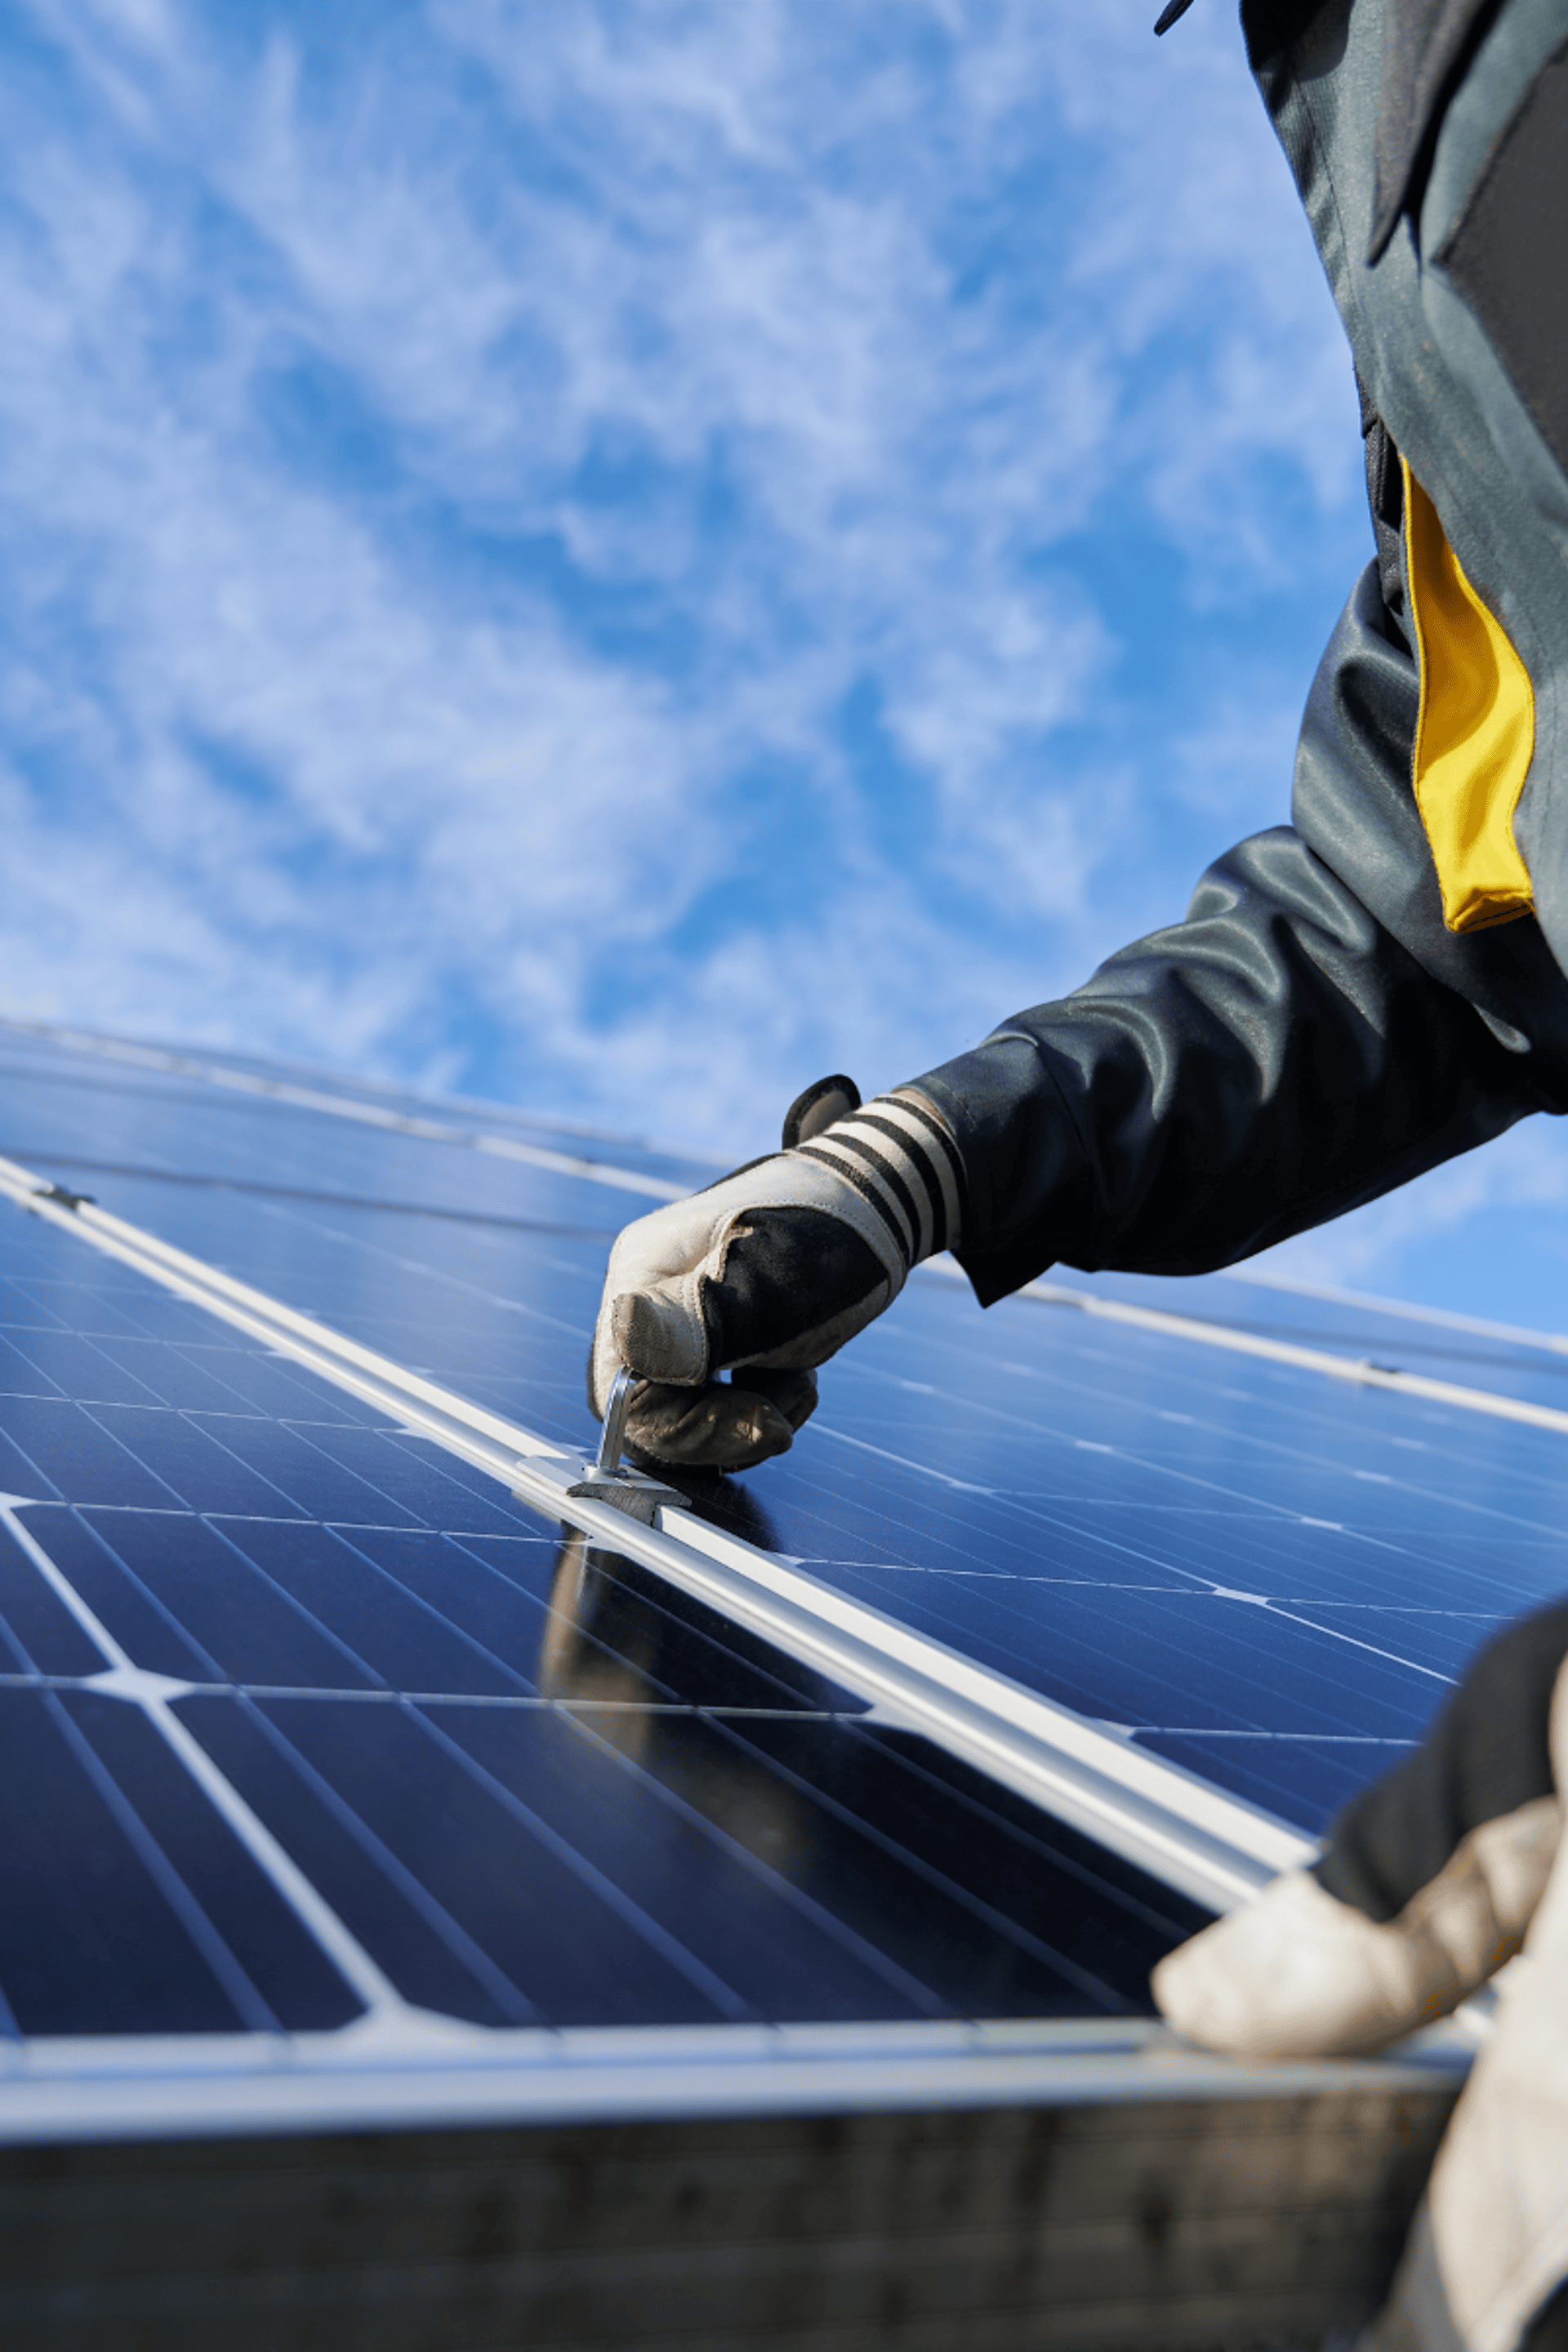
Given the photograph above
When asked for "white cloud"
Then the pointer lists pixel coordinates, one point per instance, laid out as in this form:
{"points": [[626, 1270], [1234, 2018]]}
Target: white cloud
{"points": [[696, 370]]}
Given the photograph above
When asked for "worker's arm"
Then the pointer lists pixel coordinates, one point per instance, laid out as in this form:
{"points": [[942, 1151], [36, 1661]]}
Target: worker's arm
{"points": [[1311, 1034], [1309, 1037]]}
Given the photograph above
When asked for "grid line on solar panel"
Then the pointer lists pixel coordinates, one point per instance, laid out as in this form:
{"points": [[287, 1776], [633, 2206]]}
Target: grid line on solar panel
{"points": [[124, 1681], [1505, 1400], [575, 1162], [1257, 1293], [1284, 1479], [147, 1588]]}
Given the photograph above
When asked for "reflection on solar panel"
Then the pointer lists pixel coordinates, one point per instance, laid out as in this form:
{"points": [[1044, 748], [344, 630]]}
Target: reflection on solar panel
{"points": [[350, 1772]]}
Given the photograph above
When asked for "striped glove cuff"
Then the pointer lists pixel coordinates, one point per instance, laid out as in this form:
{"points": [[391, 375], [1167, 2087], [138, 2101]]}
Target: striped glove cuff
{"points": [[900, 1156]]}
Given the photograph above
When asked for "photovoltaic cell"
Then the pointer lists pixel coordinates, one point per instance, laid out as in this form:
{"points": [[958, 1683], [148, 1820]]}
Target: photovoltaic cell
{"points": [[130, 1907]]}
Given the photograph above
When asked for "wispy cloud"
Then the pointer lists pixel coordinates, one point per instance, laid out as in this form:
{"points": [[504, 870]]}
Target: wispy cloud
{"points": [[625, 553]]}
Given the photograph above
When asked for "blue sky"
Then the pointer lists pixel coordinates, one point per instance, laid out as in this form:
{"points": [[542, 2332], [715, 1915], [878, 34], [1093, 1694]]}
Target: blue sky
{"points": [[624, 556]]}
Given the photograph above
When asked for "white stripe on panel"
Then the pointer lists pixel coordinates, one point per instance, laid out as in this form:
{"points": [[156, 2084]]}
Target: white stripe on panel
{"points": [[1354, 1370], [1262, 1277], [363, 1114]]}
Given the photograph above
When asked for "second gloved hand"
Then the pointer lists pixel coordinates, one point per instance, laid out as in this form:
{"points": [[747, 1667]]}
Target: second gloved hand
{"points": [[1430, 1879], [772, 1270]]}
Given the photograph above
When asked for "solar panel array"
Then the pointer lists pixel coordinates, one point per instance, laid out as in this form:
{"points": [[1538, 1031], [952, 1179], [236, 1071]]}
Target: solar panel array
{"points": [[301, 1711]]}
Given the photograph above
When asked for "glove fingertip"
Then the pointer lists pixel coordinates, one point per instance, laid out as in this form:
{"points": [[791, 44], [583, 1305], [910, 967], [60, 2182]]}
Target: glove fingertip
{"points": [[658, 1339], [792, 1393], [771, 1436], [716, 1429]]}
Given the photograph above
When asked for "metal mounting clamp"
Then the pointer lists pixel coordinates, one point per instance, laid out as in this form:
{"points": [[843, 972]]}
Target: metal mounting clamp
{"points": [[606, 1481]]}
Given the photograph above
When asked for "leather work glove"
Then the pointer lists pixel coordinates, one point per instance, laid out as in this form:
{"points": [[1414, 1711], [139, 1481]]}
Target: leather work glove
{"points": [[771, 1270], [1429, 1881]]}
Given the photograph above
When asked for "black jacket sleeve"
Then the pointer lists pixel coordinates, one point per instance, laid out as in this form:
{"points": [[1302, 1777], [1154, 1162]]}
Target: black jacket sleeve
{"points": [[1308, 1037]]}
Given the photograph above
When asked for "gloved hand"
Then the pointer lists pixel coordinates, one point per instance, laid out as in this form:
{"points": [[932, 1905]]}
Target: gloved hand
{"points": [[1430, 1879], [1298, 1974], [772, 1270]]}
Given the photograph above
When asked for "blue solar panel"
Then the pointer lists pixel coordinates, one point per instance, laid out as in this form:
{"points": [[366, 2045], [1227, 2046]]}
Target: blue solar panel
{"points": [[1263, 1574], [532, 1780], [244, 1616]]}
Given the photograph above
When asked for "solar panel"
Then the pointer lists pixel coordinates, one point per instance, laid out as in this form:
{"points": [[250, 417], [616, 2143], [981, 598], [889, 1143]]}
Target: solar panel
{"points": [[258, 1636], [1264, 1574], [353, 1776]]}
